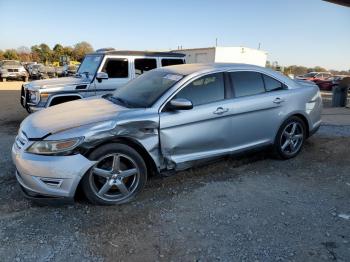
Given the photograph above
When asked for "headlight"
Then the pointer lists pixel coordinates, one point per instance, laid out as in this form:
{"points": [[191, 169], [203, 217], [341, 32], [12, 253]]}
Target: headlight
{"points": [[34, 96], [52, 147]]}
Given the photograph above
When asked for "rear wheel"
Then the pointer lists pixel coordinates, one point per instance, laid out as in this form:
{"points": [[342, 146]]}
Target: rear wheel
{"points": [[118, 175], [290, 138], [3, 79]]}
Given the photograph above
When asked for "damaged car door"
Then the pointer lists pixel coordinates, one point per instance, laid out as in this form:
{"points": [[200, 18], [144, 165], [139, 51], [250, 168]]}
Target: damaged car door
{"points": [[200, 132]]}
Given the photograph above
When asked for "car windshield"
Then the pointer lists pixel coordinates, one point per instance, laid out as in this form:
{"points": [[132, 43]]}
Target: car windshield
{"points": [[11, 63], [90, 64], [144, 91], [310, 74]]}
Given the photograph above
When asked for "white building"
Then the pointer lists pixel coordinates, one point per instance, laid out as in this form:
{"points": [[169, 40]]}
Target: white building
{"points": [[221, 54]]}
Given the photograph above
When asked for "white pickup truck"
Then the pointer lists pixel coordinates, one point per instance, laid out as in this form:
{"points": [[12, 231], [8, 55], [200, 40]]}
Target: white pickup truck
{"points": [[100, 73]]}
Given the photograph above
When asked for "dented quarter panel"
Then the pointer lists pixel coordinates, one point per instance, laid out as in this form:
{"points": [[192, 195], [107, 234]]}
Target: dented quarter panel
{"points": [[141, 128], [176, 140]]}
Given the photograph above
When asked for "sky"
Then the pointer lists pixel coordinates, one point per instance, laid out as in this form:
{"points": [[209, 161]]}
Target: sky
{"points": [[301, 32]]}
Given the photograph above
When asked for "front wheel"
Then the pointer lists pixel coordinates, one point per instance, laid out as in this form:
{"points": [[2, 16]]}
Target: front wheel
{"points": [[118, 175], [290, 138]]}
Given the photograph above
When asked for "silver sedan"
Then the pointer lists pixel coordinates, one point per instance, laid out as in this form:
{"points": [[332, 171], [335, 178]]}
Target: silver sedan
{"points": [[166, 120]]}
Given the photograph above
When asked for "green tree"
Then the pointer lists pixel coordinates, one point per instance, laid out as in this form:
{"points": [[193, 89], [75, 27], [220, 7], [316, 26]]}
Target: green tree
{"points": [[318, 69], [296, 70], [11, 54], [42, 52], [81, 49], [58, 51], [24, 54], [67, 50], [46, 53]]}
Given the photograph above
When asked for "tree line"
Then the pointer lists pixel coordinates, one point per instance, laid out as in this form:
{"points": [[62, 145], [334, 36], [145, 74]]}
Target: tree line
{"points": [[44, 54], [301, 70]]}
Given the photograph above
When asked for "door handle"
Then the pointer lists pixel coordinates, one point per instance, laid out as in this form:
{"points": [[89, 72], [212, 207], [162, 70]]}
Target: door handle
{"points": [[220, 110], [278, 100]]}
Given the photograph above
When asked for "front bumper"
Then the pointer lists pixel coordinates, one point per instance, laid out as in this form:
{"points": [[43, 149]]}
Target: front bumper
{"points": [[14, 75], [30, 107], [49, 176]]}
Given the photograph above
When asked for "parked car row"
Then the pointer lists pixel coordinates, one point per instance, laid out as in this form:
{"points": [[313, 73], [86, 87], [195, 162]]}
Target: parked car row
{"points": [[41, 71], [324, 80], [15, 70], [166, 119]]}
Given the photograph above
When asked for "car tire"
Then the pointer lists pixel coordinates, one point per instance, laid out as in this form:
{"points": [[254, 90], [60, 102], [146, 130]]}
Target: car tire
{"points": [[290, 138], [3, 79], [119, 174]]}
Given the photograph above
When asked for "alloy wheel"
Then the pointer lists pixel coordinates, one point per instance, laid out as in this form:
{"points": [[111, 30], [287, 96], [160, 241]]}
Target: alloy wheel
{"points": [[114, 177], [292, 138]]}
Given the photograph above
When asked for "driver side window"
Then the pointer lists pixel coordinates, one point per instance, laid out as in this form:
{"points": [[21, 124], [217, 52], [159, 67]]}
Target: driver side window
{"points": [[204, 90], [116, 68]]}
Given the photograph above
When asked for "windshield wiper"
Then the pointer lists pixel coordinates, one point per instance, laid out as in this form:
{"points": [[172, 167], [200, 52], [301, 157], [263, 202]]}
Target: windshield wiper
{"points": [[81, 74]]}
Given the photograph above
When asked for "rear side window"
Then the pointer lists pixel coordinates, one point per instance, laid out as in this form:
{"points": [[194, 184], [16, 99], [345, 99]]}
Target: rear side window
{"points": [[143, 65], [272, 84], [204, 90], [169, 62], [116, 68], [247, 83]]}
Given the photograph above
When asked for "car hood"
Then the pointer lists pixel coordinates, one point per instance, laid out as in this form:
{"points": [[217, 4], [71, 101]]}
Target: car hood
{"points": [[11, 67], [69, 115], [58, 82]]}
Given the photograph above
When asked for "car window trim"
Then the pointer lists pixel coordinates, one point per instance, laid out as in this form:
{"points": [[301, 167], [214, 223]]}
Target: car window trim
{"points": [[283, 86], [145, 57], [233, 87], [192, 80], [170, 58], [229, 93], [116, 58], [188, 81]]}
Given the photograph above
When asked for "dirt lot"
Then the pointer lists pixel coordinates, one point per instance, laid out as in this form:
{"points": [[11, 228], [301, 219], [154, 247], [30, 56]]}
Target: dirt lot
{"points": [[251, 208]]}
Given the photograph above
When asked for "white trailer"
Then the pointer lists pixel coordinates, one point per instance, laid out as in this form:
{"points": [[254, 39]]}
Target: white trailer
{"points": [[221, 54]]}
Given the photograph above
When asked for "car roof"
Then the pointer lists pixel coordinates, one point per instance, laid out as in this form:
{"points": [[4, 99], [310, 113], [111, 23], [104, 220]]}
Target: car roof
{"points": [[197, 69], [137, 53], [187, 69]]}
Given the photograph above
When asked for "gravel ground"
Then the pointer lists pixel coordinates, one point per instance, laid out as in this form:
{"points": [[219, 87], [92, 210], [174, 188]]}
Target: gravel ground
{"points": [[248, 208]]}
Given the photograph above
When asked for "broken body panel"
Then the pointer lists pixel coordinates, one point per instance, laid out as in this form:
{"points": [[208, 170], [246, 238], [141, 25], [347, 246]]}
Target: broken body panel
{"points": [[175, 139]]}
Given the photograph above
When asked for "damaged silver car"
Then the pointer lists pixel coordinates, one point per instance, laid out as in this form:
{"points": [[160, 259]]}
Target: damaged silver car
{"points": [[166, 120]]}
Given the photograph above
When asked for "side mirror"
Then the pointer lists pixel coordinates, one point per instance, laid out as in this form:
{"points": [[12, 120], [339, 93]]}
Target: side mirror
{"points": [[101, 75], [180, 104]]}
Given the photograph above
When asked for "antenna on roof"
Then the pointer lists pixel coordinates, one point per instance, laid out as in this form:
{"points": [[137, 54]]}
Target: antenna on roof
{"points": [[259, 46], [216, 41]]}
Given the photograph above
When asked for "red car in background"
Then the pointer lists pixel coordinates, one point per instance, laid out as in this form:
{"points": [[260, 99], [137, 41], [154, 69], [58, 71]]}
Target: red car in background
{"points": [[327, 84], [314, 76]]}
